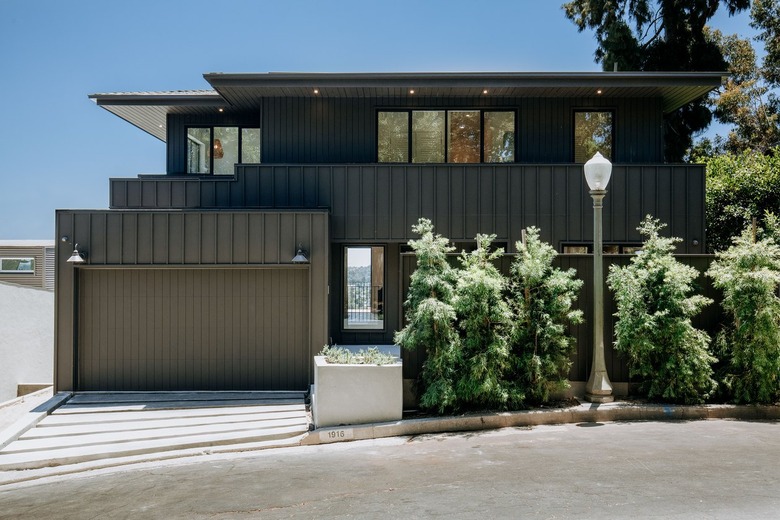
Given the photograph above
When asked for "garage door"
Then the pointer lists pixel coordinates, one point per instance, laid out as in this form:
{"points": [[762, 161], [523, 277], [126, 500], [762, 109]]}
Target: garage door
{"points": [[193, 329]]}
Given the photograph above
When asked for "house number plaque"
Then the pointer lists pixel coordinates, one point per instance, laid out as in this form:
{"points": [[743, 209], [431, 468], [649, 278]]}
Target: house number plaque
{"points": [[337, 435]]}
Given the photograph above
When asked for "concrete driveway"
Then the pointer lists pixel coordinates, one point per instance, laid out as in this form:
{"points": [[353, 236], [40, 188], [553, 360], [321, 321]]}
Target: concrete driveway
{"points": [[119, 427]]}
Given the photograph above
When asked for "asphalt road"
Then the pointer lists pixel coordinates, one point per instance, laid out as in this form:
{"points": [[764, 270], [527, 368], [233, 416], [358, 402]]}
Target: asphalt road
{"points": [[706, 469]]}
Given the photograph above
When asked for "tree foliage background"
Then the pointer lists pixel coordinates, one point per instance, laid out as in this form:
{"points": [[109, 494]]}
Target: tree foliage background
{"points": [[739, 188], [658, 35], [749, 98]]}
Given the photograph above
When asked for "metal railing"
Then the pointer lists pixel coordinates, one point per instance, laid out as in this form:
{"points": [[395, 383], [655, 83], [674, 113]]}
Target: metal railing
{"points": [[364, 302]]}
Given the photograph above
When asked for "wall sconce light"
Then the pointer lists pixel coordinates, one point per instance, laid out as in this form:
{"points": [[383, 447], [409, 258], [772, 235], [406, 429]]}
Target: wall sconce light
{"points": [[77, 257], [219, 153], [300, 257]]}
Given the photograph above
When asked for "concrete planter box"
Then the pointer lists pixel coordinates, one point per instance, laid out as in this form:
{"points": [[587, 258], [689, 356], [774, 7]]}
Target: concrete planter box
{"points": [[356, 394]]}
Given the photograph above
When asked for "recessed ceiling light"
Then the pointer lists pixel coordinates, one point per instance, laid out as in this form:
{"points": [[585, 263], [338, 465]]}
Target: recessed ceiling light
{"points": [[221, 109], [484, 91], [411, 91], [598, 91], [316, 91]]}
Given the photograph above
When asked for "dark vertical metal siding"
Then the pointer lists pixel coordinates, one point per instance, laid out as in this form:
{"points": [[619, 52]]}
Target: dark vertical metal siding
{"points": [[328, 130], [317, 130], [138, 243], [709, 320], [380, 203], [193, 329]]}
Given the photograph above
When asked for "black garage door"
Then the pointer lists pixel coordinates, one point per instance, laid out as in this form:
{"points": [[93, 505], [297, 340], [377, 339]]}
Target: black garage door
{"points": [[193, 329]]}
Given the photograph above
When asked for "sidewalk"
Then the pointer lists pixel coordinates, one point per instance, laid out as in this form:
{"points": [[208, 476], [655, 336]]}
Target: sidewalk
{"points": [[625, 411]]}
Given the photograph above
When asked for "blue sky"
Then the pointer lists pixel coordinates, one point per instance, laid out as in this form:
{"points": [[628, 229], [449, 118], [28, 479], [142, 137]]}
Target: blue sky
{"points": [[59, 149]]}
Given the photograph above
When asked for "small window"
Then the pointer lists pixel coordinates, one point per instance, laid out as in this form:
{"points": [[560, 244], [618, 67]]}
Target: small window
{"points": [[428, 136], [499, 137], [225, 149], [464, 136], [250, 146], [607, 249], [393, 137], [592, 133], [364, 291], [17, 265], [198, 150]]}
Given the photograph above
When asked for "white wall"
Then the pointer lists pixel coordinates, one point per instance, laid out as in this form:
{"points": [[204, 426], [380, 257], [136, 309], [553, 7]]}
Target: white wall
{"points": [[26, 337]]}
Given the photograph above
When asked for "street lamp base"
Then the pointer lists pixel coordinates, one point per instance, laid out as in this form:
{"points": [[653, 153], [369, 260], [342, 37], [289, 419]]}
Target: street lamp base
{"points": [[591, 398]]}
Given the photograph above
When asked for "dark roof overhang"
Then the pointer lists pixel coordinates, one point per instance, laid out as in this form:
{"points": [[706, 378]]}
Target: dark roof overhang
{"points": [[148, 110], [241, 91]]}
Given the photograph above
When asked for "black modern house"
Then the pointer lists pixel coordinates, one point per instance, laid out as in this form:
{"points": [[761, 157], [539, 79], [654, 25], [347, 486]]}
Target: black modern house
{"points": [[282, 221]]}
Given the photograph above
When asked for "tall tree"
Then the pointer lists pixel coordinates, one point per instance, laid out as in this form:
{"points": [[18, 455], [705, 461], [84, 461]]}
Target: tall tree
{"points": [[749, 98], [657, 35]]}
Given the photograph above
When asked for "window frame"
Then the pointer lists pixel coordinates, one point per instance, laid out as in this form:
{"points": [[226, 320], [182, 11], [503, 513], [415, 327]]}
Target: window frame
{"points": [[18, 271], [446, 151], [633, 247], [211, 146], [345, 298], [574, 112]]}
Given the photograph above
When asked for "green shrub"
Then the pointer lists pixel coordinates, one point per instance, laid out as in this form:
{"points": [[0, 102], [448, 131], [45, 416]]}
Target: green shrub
{"points": [[739, 188], [430, 317], [344, 356], [749, 275], [541, 300], [483, 319], [654, 329]]}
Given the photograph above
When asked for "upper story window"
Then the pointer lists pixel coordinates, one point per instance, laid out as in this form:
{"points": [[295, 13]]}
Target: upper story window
{"points": [[453, 136], [217, 149], [17, 265], [593, 132]]}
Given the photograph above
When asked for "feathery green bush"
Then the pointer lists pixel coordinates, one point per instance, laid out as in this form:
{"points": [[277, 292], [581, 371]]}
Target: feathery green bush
{"points": [[749, 274], [655, 306]]}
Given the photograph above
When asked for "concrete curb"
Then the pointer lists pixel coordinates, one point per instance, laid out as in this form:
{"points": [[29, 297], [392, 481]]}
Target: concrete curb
{"points": [[584, 413], [32, 418]]}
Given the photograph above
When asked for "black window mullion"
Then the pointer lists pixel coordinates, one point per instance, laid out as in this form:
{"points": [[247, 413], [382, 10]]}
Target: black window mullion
{"points": [[481, 136], [447, 136], [211, 150], [409, 140]]}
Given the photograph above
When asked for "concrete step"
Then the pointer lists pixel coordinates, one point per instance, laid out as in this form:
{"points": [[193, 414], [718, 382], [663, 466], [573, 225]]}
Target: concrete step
{"points": [[12, 477], [151, 397], [99, 423], [83, 437], [68, 416], [108, 406], [72, 455], [109, 425]]}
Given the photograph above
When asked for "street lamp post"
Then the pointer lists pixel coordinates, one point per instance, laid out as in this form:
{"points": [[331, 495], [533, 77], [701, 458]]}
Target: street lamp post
{"points": [[598, 389]]}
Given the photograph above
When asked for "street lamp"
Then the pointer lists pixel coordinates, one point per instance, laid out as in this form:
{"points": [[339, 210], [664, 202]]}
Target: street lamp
{"points": [[598, 389]]}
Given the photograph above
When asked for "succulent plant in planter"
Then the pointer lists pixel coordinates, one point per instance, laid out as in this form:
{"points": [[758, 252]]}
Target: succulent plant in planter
{"points": [[344, 356], [356, 387]]}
